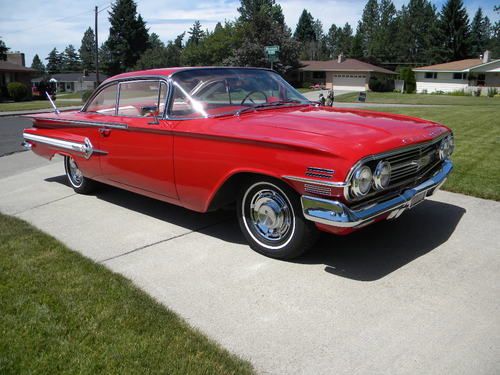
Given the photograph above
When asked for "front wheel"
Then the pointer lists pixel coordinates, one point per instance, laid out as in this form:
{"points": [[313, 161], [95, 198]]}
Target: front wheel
{"points": [[270, 217], [76, 179]]}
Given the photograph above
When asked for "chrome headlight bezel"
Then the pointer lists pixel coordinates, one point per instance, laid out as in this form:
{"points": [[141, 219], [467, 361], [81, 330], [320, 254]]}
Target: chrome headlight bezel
{"points": [[446, 147], [361, 181], [382, 175]]}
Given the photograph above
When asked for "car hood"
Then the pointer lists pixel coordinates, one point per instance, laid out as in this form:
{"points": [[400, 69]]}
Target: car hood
{"points": [[367, 131]]}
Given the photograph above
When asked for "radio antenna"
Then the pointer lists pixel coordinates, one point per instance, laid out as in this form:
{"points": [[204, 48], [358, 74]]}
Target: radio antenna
{"points": [[56, 111]]}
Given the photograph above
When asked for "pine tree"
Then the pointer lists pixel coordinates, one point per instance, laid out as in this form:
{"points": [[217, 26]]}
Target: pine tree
{"points": [[384, 45], [345, 40], [357, 44], [480, 33], [87, 50], [70, 59], [333, 39], [455, 29], [195, 33], [369, 28], [128, 37], [54, 62], [261, 23], [37, 64], [3, 50], [418, 37], [304, 32]]}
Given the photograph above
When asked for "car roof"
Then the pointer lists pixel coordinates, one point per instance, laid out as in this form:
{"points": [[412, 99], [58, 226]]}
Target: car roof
{"points": [[166, 72]]}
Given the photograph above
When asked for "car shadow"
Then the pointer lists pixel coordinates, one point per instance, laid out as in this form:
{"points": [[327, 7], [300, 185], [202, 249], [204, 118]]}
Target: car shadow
{"points": [[379, 249], [366, 255]]}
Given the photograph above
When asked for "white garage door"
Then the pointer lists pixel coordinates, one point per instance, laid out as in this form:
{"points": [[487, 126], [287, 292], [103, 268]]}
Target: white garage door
{"points": [[349, 82]]}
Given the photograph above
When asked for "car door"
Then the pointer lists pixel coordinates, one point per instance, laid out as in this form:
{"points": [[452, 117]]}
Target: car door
{"points": [[138, 145]]}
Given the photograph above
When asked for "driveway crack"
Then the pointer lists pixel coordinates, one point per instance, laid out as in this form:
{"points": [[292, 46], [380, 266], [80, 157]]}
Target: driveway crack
{"points": [[163, 241], [43, 204]]}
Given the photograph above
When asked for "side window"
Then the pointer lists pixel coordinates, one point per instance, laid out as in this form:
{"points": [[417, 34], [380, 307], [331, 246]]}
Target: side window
{"points": [[105, 101], [141, 98], [183, 106]]}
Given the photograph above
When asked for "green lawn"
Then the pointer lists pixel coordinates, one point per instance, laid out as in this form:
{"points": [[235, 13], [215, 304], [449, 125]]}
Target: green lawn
{"points": [[35, 104], [70, 95], [397, 98], [477, 145], [61, 313]]}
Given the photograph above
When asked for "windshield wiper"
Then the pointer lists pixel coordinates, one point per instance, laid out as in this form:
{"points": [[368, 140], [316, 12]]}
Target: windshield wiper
{"points": [[267, 105]]}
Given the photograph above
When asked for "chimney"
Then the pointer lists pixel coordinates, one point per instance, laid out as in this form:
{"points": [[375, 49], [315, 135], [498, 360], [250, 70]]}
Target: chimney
{"points": [[340, 58], [486, 57]]}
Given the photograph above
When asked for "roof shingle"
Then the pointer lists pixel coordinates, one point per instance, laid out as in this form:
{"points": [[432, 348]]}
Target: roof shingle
{"points": [[351, 65]]}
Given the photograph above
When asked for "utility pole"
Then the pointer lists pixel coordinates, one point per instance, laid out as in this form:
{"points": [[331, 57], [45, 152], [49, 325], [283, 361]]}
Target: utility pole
{"points": [[96, 50]]}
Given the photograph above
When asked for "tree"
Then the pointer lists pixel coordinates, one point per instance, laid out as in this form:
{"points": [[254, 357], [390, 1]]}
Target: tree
{"points": [[87, 50], [417, 40], [480, 33], [70, 59], [357, 44], [369, 27], [159, 55], [3, 50], [37, 64], [304, 32], [384, 44], [195, 33], [454, 26], [54, 62], [261, 23], [345, 40], [128, 37]]}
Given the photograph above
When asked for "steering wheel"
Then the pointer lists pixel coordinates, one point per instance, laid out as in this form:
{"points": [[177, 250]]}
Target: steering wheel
{"points": [[253, 92]]}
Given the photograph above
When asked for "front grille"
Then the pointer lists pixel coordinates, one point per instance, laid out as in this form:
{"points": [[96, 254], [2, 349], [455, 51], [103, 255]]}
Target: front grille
{"points": [[408, 167]]}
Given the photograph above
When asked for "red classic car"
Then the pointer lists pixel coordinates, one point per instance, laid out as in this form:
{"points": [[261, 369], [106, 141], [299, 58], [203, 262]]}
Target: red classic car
{"points": [[204, 138]]}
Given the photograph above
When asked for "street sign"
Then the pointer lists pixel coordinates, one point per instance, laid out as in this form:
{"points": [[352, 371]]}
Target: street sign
{"points": [[272, 53]]}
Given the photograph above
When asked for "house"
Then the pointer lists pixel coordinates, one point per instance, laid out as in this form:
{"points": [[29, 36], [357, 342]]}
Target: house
{"points": [[72, 82], [14, 70], [469, 75], [342, 74]]}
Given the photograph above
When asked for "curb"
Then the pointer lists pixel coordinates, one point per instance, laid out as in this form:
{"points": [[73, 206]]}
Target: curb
{"points": [[33, 111]]}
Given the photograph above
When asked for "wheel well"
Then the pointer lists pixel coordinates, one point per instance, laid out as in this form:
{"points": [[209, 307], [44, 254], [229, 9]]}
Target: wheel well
{"points": [[228, 192]]}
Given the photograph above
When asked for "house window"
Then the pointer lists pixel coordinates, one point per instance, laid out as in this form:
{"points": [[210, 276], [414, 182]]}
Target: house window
{"points": [[461, 76], [319, 75], [431, 75]]}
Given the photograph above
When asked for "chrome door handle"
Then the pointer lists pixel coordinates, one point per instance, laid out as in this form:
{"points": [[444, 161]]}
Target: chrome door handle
{"points": [[104, 132]]}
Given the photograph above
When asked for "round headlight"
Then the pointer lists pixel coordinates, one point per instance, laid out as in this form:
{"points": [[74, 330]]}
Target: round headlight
{"points": [[446, 147], [382, 175], [361, 181]]}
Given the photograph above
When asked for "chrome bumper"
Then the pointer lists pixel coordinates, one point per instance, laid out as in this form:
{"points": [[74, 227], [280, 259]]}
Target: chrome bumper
{"points": [[337, 214]]}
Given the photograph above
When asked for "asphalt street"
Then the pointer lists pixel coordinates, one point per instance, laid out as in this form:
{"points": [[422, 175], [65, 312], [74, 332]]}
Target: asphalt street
{"points": [[11, 133], [418, 295]]}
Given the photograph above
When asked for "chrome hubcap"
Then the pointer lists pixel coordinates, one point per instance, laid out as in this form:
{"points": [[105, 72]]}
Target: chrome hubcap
{"points": [[270, 215], [74, 173]]}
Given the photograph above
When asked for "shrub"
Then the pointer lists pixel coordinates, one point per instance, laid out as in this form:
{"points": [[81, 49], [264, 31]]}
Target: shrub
{"points": [[17, 91], [477, 92], [458, 93], [381, 85], [86, 95], [407, 75], [492, 91]]}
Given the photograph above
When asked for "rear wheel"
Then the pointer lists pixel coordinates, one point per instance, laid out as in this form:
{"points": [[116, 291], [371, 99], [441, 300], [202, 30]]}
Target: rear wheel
{"points": [[270, 217], [76, 179]]}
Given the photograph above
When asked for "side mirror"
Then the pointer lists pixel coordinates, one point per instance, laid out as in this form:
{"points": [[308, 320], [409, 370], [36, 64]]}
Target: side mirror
{"points": [[150, 111]]}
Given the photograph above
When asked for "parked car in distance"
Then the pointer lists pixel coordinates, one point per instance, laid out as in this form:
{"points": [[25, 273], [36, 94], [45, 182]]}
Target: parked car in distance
{"points": [[205, 138]]}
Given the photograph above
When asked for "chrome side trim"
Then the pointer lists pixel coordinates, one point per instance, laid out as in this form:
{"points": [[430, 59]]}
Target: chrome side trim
{"points": [[337, 214], [316, 182], [111, 125], [85, 148]]}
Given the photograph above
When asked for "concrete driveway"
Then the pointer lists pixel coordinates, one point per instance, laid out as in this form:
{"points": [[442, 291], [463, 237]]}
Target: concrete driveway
{"points": [[416, 295]]}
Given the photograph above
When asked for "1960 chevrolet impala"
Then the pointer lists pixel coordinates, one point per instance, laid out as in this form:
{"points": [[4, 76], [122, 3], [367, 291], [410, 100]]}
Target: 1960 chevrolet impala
{"points": [[204, 138]]}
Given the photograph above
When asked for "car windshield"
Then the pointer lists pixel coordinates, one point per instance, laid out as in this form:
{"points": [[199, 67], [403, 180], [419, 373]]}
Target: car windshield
{"points": [[215, 92]]}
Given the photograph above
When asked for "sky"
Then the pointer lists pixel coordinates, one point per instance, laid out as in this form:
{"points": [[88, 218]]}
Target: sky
{"points": [[36, 27]]}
